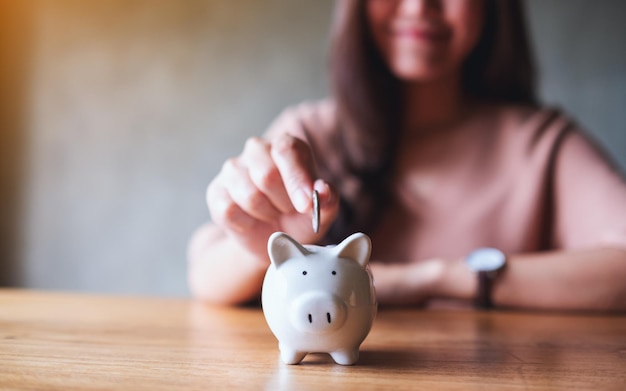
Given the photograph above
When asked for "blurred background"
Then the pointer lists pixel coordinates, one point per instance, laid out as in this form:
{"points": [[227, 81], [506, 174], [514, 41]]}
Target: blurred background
{"points": [[115, 115]]}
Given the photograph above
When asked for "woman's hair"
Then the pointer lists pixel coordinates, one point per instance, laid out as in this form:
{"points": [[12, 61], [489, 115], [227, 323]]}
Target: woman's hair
{"points": [[367, 95]]}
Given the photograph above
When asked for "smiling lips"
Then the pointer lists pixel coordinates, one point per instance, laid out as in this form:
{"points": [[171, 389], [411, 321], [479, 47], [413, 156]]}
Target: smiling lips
{"points": [[423, 33]]}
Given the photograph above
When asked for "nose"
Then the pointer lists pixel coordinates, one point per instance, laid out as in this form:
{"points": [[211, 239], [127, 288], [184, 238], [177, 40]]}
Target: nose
{"points": [[318, 312], [417, 7]]}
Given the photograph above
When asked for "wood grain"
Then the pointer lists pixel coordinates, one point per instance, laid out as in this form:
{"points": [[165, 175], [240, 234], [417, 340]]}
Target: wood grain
{"points": [[57, 341]]}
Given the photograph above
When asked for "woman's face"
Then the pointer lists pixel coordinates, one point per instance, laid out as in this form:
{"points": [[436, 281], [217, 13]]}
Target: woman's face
{"points": [[424, 40]]}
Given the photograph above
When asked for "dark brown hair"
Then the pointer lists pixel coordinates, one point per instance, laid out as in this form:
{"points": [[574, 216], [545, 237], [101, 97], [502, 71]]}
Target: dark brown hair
{"points": [[367, 94]]}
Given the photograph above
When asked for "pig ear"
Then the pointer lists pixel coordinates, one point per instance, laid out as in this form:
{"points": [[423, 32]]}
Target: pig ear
{"points": [[282, 247], [356, 247]]}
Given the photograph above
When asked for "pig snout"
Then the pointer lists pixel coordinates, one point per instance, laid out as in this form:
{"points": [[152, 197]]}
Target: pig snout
{"points": [[317, 312]]}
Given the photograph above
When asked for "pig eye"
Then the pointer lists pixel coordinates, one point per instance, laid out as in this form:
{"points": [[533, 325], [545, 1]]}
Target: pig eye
{"points": [[304, 272], [334, 272]]}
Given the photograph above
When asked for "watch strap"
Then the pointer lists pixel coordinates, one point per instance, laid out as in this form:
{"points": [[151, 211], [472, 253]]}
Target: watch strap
{"points": [[485, 286]]}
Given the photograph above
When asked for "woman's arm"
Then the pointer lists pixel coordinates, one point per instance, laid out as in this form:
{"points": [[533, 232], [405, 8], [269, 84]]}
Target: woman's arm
{"points": [[586, 270], [592, 279], [220, 270]]}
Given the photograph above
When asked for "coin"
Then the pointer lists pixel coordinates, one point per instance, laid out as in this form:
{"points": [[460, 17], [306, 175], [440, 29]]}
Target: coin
{"points": [[316, 211]]}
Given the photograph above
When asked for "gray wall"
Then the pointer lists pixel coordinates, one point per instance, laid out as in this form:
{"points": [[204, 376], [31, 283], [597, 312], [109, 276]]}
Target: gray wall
{"points": [[132, 105], [581, 52]]}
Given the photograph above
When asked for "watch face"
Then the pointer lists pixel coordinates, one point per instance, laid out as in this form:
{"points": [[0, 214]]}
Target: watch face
{"points": [[485, 259]]}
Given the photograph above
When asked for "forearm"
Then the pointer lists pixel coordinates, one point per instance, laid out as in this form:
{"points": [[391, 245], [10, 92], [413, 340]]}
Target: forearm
{"points": [[565, 280], [220, 271], [593, 279]]}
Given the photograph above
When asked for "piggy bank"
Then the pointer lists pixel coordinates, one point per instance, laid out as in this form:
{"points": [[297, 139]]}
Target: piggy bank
{"points": [[319, 299]]}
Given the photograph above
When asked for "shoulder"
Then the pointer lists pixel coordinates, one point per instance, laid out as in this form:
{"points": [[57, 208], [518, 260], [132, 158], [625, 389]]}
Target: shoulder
{"points": [[542, 130], [304, 119], [532, 130], [532, 122]]}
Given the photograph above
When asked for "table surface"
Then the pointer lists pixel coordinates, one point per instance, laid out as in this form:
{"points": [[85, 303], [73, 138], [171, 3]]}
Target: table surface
{"points": [[77, 341]]}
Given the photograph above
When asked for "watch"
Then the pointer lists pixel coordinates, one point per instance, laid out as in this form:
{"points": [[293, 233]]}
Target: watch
{"points": [[487, 262]]}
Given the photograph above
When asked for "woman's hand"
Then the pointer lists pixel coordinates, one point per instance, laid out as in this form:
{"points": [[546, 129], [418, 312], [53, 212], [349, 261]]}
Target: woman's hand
{"points": [[405, 283], [415, 283], [269, 188]]}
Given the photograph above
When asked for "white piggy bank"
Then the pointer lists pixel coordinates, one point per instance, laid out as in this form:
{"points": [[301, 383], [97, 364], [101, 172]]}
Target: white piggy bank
{"points": [[319, 299]]}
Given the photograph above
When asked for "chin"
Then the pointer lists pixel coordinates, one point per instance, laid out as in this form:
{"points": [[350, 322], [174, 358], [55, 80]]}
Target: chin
{"points": [[418, 74], [422, 68]]}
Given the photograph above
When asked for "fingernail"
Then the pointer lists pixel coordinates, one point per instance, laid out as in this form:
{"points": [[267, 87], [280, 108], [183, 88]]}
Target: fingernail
{"points": [[326, 195], [301, 200], [320, 185]]}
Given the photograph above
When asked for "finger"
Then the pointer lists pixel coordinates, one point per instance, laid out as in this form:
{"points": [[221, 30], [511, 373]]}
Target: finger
{"points": [[225, 212], [295, 164], [265, 175], [245, 194]]}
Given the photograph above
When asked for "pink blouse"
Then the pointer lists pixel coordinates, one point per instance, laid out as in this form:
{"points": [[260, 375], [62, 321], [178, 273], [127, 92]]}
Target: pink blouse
{"points": [[518, 178]]}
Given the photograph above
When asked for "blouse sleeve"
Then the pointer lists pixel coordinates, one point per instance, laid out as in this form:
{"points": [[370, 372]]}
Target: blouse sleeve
{"points": [[304, 120], [589, 196], [287, 122]]}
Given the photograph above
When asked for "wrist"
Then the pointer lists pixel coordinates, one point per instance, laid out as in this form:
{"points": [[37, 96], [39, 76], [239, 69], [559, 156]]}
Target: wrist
{"points": [[486, 263], [252, 251], [455, 280]]}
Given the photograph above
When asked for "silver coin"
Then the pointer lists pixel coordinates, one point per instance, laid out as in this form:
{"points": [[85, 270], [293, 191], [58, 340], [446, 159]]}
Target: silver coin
{"points": [[316, 211]]}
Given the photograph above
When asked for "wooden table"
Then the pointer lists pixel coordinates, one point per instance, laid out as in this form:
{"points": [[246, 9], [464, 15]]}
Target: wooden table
{"points": [[74, 342]]}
